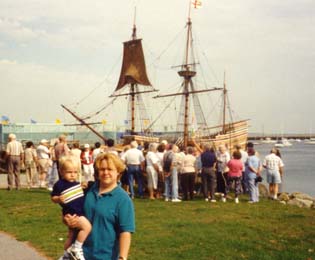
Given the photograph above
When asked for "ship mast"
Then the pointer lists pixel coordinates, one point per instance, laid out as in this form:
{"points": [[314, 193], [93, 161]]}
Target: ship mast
{"points": [[133, 73], [224, 104], [133, 85], [187, 74]]}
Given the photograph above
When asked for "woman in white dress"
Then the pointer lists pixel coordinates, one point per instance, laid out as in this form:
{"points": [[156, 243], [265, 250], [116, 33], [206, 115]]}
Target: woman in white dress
{"points": [[152, 169]]}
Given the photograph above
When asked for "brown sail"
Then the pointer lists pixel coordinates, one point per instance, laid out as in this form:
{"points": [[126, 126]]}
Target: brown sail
{"points": [[133, 69]]}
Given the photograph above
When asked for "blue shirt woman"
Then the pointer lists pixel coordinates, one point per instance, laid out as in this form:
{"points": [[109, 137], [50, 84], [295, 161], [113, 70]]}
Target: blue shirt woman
{"points": [[252, 170]]}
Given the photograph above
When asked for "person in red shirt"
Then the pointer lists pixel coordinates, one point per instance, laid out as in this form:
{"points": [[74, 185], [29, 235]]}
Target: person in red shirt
{"points": [[235, 166], [87, 163]]}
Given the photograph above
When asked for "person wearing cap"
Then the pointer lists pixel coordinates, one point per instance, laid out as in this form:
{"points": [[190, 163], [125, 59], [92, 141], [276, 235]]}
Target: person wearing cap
{"points": [[15, 155], [164, 142], [87, 163], [43, 155]]}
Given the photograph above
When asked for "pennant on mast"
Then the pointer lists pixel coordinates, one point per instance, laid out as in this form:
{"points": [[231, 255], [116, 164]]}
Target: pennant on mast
{"points": [[196, 4]]}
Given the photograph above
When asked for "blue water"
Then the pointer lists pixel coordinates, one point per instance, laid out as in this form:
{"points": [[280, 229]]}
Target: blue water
{"points": [[299, 169]]}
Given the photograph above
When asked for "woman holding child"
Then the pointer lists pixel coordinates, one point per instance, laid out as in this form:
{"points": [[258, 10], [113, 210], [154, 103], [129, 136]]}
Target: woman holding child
{"points": [[110, 210]]}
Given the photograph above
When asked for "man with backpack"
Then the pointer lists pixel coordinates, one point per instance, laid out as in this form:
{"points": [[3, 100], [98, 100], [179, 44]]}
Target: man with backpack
{"points": [[170, 164]]}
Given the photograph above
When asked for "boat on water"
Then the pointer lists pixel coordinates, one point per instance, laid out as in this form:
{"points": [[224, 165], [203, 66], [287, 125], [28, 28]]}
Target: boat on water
{"points": [[283, 142], [268, 140], [310, 141]]}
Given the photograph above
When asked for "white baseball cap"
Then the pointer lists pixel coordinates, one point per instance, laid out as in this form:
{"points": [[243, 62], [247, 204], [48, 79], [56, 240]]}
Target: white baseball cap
{"points": [[43, 141]]}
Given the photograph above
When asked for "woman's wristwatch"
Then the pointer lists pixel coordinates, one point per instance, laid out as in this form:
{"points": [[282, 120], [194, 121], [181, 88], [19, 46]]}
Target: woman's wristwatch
{"points": [[122, 258]]}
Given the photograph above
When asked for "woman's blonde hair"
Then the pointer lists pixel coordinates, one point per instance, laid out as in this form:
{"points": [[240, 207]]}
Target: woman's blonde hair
{"points": [[111, 159]]}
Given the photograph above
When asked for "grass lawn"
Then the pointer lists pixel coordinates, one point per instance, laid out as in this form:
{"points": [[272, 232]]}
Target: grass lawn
{"points": [[170, 231]]}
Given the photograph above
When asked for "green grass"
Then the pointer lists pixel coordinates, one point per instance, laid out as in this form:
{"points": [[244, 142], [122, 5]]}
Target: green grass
{"points": [[170, 231]]}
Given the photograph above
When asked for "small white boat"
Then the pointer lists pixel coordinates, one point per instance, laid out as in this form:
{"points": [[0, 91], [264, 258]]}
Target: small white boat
{"points": [[268, 140], [309, 142], [283, 142]]}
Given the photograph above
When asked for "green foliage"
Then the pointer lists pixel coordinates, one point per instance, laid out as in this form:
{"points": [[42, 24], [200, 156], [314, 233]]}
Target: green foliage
{"points": [[170, 231]]}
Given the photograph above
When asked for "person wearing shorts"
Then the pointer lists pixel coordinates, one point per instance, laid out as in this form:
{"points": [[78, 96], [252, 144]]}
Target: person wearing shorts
{"points": [[272, 163]]}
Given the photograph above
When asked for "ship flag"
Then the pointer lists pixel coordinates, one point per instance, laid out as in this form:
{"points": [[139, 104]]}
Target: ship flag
{"points": [[146, 122], [196, 4]]}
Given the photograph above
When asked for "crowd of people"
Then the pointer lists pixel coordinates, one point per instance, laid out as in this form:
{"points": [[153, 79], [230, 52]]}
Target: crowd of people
{"points": [[95, 187], [167, 171], [156, 170]]}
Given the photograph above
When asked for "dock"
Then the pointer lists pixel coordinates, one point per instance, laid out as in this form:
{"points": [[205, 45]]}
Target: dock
{"points": [[259, 136]]}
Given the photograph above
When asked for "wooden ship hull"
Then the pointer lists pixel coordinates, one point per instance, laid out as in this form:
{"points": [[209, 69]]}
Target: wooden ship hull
{"points": [[127, 139], [236, 133]]}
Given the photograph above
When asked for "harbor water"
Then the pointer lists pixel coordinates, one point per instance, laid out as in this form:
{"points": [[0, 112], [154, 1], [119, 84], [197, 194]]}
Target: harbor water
{"points": [[299, 171]]}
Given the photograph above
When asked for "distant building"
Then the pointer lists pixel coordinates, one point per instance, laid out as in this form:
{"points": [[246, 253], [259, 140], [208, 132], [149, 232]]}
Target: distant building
{"points": [[36, 132]]}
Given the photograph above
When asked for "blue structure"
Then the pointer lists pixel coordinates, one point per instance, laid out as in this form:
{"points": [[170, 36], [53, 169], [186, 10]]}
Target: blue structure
{"points": [[36, 132]]}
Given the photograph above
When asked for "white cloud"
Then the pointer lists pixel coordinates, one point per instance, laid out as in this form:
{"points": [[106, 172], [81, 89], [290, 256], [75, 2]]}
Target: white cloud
{"points": [[16, 31], [265, 46], [40, 90]]}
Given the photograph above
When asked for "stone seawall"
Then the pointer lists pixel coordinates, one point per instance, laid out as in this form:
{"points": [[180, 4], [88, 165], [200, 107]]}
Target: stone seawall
{"points": [[299, 199]]}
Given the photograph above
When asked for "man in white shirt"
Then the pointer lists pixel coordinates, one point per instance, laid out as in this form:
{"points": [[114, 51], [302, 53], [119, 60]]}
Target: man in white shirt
{"points": [[15, 154], [272, 163], [134, 160]]}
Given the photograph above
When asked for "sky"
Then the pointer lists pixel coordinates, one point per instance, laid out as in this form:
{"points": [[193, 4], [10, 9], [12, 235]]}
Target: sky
{"points": [[69, 52]]}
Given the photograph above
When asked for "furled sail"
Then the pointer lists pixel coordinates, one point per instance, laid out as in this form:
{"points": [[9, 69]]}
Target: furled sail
{"points": [[133, 69]]}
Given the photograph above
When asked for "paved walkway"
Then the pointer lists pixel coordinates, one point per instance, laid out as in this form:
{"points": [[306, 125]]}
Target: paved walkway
{"points": [[4, 181], [11, 249]]}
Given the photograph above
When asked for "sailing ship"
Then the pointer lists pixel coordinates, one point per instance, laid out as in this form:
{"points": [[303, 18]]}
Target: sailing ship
{"points": [[134, 82], [227, 133]]}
